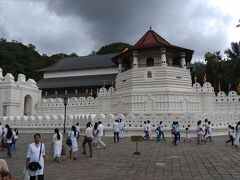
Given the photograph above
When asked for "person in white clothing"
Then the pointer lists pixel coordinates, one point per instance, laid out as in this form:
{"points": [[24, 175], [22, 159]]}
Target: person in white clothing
{"points": [[149, 129], [209, 131], [199, 132], [187, 135], [15, 138], [74, 145], [57, 145], [100, 133], [78, 130], [95, 129], [36, 153], [145, 128], [88, 138], [8, 136], [121, 127], [231, 134], [205, 127], [116, 131], [237, 137]]}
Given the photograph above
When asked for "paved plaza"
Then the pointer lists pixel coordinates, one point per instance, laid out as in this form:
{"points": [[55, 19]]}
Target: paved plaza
{"points": [[162, 160]]}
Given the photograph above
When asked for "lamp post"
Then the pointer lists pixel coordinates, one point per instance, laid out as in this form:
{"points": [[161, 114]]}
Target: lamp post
{"points": [[65, 102]]}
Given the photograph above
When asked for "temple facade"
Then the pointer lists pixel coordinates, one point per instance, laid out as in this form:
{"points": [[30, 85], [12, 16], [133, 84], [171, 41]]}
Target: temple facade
{"points": [[152, 82]]}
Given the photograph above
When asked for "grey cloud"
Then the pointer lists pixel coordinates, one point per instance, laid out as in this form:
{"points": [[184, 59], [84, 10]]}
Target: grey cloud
{"points": [[191, 24], [180, 22]]}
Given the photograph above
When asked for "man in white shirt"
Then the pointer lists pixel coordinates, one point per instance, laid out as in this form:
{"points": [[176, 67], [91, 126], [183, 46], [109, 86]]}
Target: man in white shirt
{"points": [[121, 126], [88, 138], [100, 133], [116, 131]]}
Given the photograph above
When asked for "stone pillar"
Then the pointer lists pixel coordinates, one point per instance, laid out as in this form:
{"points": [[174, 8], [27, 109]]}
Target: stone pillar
{"points": [[163, 57], [183, 61], [135, 59], [120, 65], [1, 76]]}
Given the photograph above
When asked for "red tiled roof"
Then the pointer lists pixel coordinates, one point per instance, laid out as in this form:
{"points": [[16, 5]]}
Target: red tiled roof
{"points": [[151, 39]]}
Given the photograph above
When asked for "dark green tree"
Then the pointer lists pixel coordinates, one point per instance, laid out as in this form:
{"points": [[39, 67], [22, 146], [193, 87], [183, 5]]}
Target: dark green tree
{"points": [[117, 47]]}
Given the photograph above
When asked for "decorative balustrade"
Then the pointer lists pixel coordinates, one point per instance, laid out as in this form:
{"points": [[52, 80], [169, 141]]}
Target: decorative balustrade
{"points": [[131, 121]]}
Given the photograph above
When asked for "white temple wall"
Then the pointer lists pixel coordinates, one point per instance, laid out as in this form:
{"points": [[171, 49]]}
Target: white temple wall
{"points": [[13, 95], [133, 122]]}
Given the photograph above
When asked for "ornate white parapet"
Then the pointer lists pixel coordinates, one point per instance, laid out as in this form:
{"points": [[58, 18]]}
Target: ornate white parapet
{"points": [[163, 57], [135, 59], [21, 79], [9, 78], [183, 60]]}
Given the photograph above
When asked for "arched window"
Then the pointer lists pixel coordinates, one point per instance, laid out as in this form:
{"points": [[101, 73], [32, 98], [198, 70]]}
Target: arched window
{"points": [[149, 74], [150, 62], [28, 105]]}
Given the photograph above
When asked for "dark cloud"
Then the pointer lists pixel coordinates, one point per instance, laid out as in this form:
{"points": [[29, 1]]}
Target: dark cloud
{"points": [[93, 23]]}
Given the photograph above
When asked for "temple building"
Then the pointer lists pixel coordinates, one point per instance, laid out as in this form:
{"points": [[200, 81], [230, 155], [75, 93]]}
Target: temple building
{"points": [[78, 76], [150, 81]]}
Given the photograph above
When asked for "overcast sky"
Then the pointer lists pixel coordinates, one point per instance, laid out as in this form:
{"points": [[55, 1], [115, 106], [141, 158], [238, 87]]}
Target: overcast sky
{"points": [[81, 26]]}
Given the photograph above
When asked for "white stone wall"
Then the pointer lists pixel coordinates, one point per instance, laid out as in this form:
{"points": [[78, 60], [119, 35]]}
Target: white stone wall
{"points": [[18, 96], [133, 122]]}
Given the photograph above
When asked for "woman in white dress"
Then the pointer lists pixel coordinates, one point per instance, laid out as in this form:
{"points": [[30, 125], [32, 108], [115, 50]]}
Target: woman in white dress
{"points": [[57, 145], [74, 147], [36, 153], [237, 139]]}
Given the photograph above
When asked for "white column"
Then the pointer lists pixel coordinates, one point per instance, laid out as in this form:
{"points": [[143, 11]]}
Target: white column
{"points": [[120, 65], [183, 61], [163, 57], [135, 59]]}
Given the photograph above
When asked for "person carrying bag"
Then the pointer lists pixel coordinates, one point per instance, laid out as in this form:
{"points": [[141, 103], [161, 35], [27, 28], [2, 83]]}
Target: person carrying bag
{"points": [[36, 158]]}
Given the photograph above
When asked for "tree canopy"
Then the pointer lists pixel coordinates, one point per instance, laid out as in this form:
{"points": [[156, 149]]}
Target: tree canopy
{"points": [[219, 70], [117, 47]]}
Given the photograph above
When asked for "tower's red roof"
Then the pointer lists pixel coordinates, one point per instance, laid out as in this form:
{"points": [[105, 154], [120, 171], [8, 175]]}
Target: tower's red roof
{"points": [[151, 39]]}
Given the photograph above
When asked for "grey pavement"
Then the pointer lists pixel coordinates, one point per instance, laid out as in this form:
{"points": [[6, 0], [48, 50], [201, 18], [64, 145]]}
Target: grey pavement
{"points": [[215, 160]]}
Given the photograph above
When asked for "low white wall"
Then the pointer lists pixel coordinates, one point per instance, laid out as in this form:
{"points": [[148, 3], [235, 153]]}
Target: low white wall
{"points": [[133, 123]]}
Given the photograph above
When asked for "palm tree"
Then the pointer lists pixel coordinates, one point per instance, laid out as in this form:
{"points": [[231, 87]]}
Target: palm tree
{"points": [[233, 54]]}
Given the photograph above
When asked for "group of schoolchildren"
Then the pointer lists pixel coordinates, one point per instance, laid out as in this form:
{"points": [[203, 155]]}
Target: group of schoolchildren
{"points": [[203, 132]]}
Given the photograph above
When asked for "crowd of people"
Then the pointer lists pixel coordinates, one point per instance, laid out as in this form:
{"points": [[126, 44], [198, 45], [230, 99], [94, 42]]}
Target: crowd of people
{"points": [[93, 137]]}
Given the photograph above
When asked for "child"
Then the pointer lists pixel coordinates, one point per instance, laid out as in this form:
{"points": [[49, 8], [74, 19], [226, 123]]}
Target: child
{"points": [[231, 134], [159, 131], [206, 127], [209, 131], [187, 135], [199, 132], [15, 137]]}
